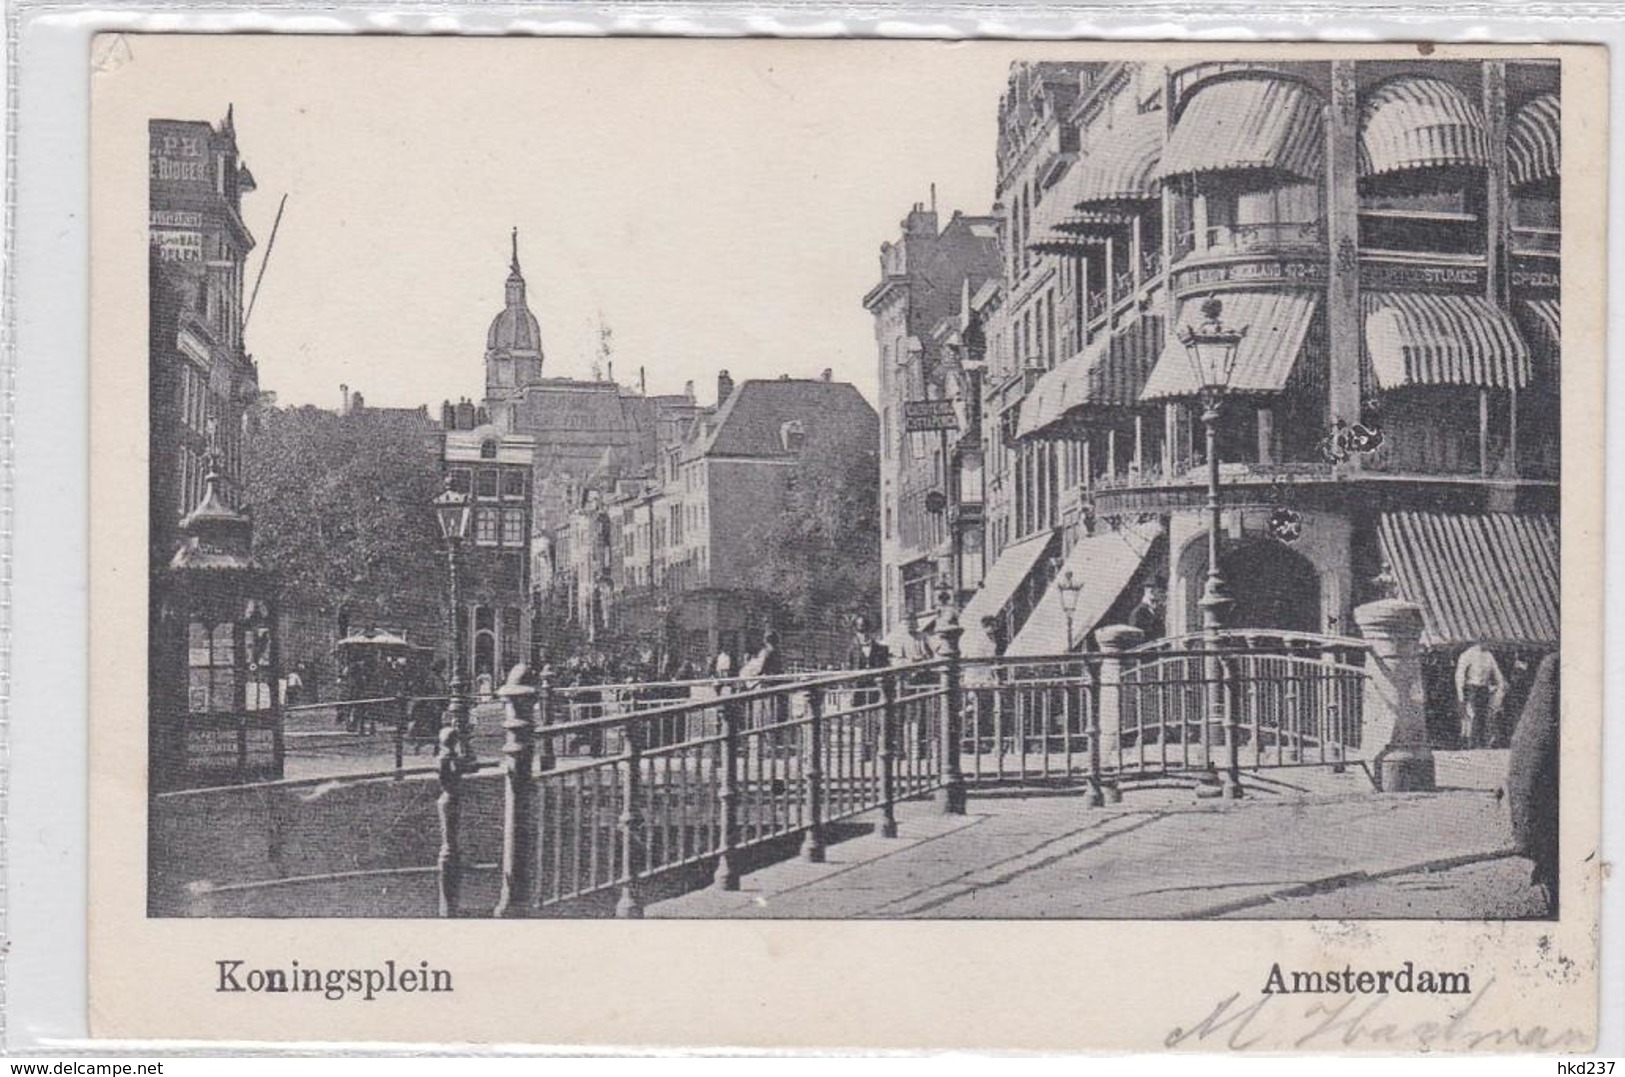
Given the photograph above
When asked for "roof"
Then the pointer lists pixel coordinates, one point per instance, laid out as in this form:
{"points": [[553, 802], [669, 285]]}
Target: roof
{"points": [[751, 421]]}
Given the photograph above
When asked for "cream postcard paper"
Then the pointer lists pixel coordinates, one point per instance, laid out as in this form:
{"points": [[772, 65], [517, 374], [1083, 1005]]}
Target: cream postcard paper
{"points": [[820, 530]]}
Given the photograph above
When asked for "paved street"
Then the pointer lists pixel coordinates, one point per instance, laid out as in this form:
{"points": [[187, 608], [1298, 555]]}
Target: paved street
{"points": [[1328, 849]]}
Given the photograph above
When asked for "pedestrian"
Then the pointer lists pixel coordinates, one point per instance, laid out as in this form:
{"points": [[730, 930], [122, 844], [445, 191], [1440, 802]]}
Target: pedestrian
{"points": [[295, 692], [867, 651], [1481, 689], [1532, 780], [1147, 614]]}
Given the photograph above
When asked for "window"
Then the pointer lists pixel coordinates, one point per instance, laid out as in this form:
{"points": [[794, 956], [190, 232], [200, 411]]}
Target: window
{"points": [[460, 478], [488, 449], [793, 435], [513, 483], [485, 526], [211, 658], [487, 483], [513, 527]]}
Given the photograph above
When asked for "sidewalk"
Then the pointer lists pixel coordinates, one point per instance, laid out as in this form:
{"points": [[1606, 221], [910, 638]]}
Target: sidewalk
{"points": [[1159, 855]]}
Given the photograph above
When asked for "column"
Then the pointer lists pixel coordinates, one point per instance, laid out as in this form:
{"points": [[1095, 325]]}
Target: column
{"points": [[518, 802], [1344, 322], [1394, 721]]}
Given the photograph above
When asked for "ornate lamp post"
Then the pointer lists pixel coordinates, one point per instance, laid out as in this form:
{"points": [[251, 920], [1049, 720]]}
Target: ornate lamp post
{"points": [[452, 511], [1211, 348], [1071, 589]]}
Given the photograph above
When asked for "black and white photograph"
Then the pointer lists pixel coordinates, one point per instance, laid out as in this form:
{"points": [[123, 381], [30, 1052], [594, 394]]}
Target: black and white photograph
{"points": [[1119, 490]]}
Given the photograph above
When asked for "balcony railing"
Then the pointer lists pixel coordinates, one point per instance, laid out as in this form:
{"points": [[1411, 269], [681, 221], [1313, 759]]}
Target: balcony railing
{"points": [[1123, 285], [1151, 264], [1095, 305], [1537, 240], [1221, 239]]}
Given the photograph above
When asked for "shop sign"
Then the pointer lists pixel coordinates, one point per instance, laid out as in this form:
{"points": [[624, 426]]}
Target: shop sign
{"points": [[1394, 276], [1537, 275], [920, 416], [1264, 271]]}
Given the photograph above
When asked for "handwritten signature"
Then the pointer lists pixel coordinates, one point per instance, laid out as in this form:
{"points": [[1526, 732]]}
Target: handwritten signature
{"points": [[1270, 1024]]}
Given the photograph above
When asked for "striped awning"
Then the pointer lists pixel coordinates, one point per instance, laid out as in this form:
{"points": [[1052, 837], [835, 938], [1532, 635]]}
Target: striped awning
{"points": [[999, 586], [1428, 338], [1121, 163], [1111, 372], [1057, 241], [1479, 579], [1247, 124], [1546, 316], [1420, 122], [1535, 141], [1277, 324], [1102, 565]]}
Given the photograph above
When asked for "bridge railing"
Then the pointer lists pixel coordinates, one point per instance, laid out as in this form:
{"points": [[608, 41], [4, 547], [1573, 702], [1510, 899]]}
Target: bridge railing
{"points": [[708, 779]]}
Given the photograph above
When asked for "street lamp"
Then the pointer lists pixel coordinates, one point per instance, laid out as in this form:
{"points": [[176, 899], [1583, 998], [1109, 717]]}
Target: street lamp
{"points": [[452, 511], [1211, 348], [1071, 589]]}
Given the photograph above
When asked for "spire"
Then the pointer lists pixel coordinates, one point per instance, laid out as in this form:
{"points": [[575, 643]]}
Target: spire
{"points": [[516, 279]]}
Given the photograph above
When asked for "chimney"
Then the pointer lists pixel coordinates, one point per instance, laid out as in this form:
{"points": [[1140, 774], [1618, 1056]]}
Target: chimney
{"points": [[356, 402], [344, 400], [643, 383], [688, 389], [826, 375], [448, 415], [725, 387]]}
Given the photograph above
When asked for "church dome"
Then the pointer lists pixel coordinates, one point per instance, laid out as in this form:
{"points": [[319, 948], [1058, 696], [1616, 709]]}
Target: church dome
{"points": [[516, 329]]}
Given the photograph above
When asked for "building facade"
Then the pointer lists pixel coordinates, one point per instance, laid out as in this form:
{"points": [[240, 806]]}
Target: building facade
{"points": [[494, 468], [936, 291], [659, 565], [1387, 234], [202, 382]]}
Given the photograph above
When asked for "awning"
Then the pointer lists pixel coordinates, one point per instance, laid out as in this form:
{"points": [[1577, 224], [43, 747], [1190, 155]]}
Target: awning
{"points": [[1277, 324], [1545, 318], [1535, 141], [1000, 584], [1111, 372], [1248, 124], [1103, 564], [1479, 579], [1420, 122], [1060, 242], [1428, 338], [1120, 165]]}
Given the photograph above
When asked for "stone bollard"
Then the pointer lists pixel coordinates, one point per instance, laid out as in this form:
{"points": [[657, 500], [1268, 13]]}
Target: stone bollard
{"points": [[1393, 718], [1114, 641], [519, 800]]}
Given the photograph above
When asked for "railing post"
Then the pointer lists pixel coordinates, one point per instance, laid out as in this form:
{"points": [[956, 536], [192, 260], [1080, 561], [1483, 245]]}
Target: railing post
{"points": [[1107, 734], [726, 876], [951, 793], [400, 734], [545, 760], [812, 846], [1392, 711], [630, 905], [888, 755], [449, 760], [518, 811]]}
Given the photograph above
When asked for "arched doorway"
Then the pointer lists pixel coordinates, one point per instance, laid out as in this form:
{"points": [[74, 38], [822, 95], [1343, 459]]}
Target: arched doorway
{"points": [[1273, 586]]}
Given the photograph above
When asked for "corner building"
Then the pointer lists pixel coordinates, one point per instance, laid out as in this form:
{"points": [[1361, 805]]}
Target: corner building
{"points": [[1388, 235]]}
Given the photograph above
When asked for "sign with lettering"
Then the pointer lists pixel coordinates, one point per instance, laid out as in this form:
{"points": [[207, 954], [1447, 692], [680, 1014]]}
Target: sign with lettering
{"points": [[179, 156], [920, 416], [178, 246], [1387, 276], [1537, 275], [1262, 271]]}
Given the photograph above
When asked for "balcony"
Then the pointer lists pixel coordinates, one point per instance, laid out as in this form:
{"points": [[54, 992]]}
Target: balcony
{"points": [[1310, 485], [1223, 240]]}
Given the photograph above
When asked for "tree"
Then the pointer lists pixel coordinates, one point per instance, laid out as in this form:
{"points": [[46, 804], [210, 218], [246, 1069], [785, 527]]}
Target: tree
{"points": [[819, 555], [341, 511]]}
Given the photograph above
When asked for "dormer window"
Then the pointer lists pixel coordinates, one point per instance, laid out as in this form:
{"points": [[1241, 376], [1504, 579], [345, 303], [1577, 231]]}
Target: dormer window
{"points": [[488, 449], [793, 435]]}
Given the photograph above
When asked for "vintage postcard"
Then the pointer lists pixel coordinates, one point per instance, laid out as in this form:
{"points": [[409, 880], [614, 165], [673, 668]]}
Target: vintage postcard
{"points": [[847, 544]]}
